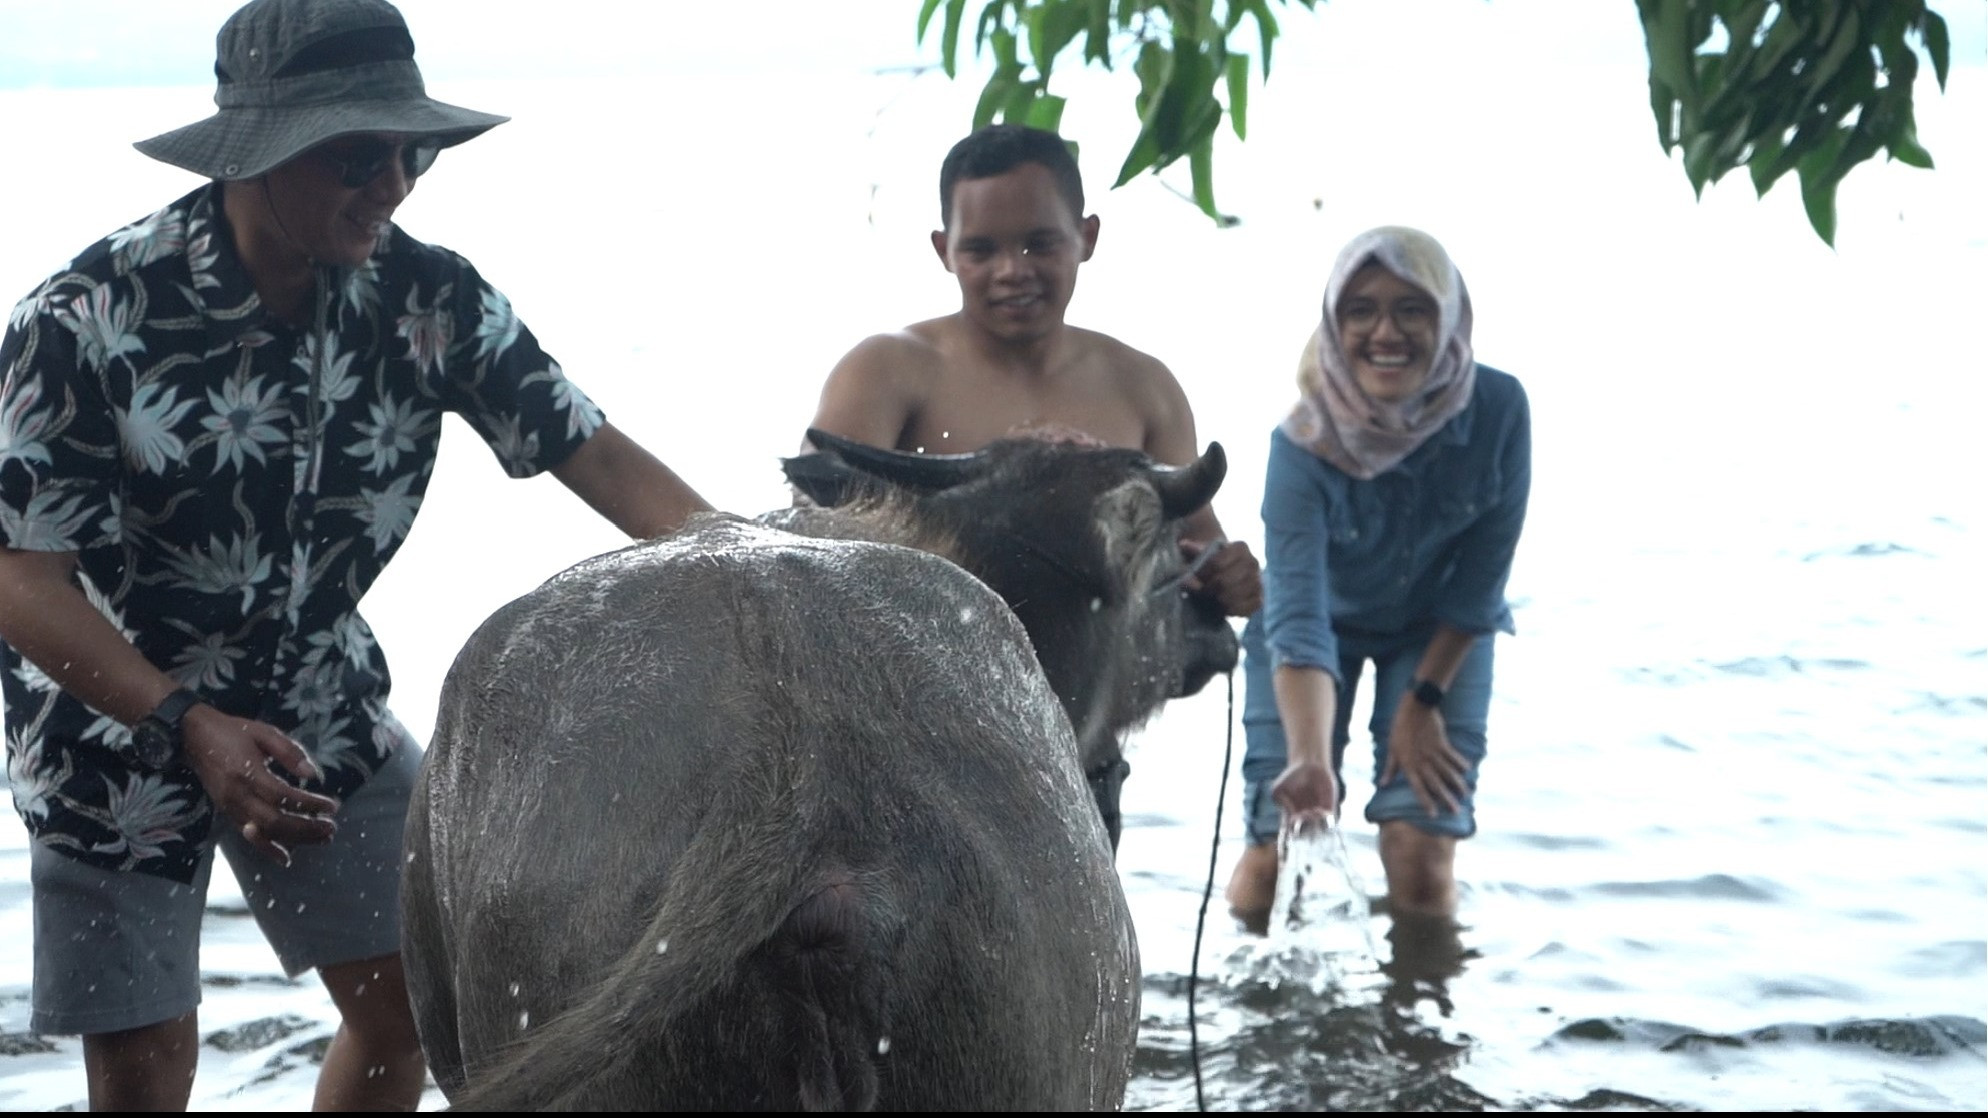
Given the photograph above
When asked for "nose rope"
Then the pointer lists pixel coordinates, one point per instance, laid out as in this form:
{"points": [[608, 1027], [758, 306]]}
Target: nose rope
{"points": [[1191, 569], [1201, 921]]}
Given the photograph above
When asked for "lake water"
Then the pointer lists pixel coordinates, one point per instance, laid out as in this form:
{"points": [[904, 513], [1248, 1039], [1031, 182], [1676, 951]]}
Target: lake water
{"points": [[1733, 850]]}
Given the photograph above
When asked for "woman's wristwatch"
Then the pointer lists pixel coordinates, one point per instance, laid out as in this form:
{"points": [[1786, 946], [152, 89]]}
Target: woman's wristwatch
{"points": [[1428, 693]]}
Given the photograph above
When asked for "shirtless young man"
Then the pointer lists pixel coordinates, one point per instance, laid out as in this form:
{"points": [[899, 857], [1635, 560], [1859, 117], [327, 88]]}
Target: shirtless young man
{"points": [[1012, 205]]}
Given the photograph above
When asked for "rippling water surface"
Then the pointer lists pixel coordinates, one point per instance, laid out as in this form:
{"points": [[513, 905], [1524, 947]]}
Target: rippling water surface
{"points": [[1732, 849]]}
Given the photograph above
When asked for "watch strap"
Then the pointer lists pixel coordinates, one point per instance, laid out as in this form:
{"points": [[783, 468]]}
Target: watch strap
{"points": [[172, 709]]}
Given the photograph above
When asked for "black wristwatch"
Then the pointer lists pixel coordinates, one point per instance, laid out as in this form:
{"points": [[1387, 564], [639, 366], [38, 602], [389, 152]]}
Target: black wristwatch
{"points": [[156, 737], [1427, 693]]}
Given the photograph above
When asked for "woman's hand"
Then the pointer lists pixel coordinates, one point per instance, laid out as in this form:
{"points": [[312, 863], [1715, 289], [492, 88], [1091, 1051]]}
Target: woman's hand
{"points": [[1418, 747], [1307, 792]]}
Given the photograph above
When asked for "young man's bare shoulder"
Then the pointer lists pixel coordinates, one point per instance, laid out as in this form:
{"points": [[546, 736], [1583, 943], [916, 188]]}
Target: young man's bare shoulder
{"points": [[1139, 374], [915, 352], [1147, 386]]}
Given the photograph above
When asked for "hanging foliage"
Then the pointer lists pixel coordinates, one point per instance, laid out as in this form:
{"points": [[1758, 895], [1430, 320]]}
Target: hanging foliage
{"points": [[1810, 86]]}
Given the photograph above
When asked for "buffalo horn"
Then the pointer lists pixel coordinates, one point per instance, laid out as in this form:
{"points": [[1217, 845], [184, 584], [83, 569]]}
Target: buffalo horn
{"points": [[926, 472], [1184, 489]]}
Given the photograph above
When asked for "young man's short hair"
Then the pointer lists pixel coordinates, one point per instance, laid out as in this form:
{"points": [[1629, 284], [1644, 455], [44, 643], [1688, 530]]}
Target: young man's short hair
{"points": [[996, 149]]}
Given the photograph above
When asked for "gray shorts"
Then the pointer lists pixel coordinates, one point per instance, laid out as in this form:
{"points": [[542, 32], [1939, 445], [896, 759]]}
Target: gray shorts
{"points": [[117, 951]]}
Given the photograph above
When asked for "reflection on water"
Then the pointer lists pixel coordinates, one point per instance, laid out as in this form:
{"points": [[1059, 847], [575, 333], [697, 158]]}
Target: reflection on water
{"points": [[1316, 1013], [1304, 1026]]}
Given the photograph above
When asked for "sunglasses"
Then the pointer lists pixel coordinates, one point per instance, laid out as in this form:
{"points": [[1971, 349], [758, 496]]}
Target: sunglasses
{"points": [[362, 159]]}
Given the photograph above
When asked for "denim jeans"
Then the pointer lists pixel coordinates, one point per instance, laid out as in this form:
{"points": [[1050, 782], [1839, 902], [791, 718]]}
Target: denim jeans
{"points": [[1465, 707]]}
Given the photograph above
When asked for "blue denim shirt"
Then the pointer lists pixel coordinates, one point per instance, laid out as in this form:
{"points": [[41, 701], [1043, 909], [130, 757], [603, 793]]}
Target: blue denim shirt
{"points": [[1428, 542]]}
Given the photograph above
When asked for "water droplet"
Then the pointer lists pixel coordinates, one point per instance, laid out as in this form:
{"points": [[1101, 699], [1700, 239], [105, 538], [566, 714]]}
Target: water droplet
{"points": [[525, 1019], [662, 945], [1097, 604], [883, 1046], [514, 989]]}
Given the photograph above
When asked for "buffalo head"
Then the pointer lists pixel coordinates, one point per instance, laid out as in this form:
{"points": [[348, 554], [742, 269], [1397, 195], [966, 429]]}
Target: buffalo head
{"points": [[1080, 541]]}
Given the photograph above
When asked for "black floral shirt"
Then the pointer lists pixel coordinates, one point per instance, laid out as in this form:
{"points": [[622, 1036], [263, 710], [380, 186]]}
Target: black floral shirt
{"points": [[232, 486]]}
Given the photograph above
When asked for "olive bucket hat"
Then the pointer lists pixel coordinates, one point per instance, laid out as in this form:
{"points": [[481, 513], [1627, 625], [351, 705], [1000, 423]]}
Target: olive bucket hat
{"points": [[295, 73]]}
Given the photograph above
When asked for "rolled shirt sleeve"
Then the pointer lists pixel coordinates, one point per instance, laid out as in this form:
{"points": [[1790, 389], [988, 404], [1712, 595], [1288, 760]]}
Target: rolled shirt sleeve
{"points": [[1297, 592]]}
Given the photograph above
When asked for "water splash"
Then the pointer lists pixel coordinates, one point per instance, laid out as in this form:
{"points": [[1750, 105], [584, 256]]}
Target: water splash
{"points": [[1318, 890], [1320, 937]]}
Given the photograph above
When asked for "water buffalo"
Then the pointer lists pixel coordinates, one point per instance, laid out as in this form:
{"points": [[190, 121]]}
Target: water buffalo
{"points": [[1065, 542], [792, 817]]}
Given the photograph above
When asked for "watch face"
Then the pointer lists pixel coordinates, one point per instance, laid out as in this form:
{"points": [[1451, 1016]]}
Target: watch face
{"points": [[153, 744]]}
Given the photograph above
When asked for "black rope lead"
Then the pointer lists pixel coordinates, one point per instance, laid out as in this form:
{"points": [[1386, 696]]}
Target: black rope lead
{"points": [[1201, 922]]}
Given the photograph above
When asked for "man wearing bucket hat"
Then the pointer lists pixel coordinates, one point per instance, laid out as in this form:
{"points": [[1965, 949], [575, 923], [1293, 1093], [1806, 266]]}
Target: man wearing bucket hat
{"points": [[216, 427]]}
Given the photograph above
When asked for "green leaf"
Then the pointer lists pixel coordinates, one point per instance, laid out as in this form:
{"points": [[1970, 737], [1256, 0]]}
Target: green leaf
{"points": [[1097, 33], [1934, 30], [1201, 167], [1840, 45], [1819, 199], [1239, 94], [1670, 52], [1904, 143], [1266, 30], [925, 17], [1766, 155], [1819, 175], [992, 95], [949, 38], [1005, 58], [1698, 161], [1062, 21], [1045, 112], [1019, 102]]}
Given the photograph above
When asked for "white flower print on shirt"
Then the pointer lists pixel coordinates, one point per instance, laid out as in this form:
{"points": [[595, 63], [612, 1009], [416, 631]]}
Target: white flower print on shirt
{"points": [[105, 326], [153, 238], [52, 521], [428, 330], [392, 431], [145, 812], [246, 418], [146, 428], [34, 783], [23, 423], [498, 327], [388, 513], [583, 416], [223, 566]]}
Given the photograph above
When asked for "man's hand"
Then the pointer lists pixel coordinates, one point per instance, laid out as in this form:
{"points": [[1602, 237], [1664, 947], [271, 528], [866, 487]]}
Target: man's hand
{"points": [[1308, 792], [1231, 576], [1418, 747], [231, 756]]}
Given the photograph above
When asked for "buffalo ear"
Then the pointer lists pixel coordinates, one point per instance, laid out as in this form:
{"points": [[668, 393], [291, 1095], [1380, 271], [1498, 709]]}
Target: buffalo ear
{"points": [[825, 478], [1184, 489], [927, 473]]}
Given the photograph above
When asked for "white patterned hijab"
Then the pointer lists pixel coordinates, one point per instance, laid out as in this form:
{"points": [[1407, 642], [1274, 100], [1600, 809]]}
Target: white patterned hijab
{"points": [[1335, 418]]}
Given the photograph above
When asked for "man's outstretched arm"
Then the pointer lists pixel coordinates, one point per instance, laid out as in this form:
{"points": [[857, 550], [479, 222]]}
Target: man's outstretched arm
{"points": [[629, 486]]}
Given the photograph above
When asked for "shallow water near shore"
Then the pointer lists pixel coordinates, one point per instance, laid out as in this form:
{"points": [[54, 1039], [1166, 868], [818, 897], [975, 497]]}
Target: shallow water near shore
{"points": [[1734, 820]]}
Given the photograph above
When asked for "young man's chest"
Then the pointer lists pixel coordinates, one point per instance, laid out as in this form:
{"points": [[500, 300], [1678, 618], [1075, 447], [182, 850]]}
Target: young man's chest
{"points": [[965, 409]]}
